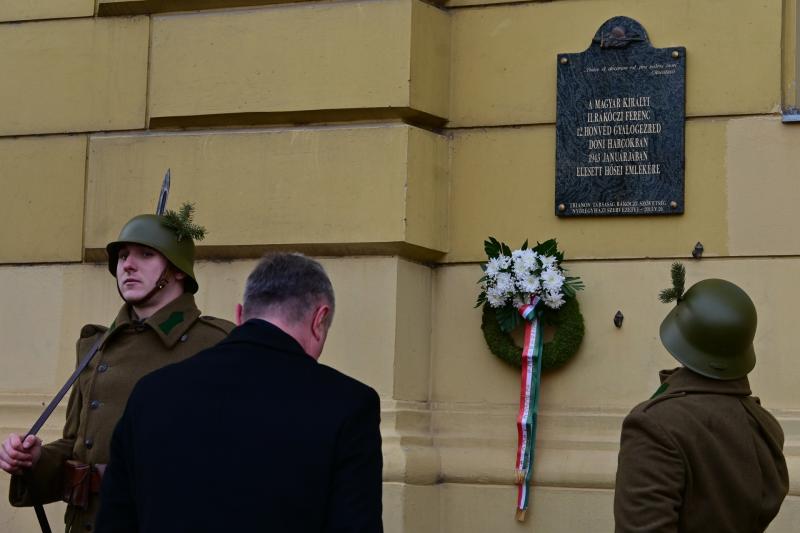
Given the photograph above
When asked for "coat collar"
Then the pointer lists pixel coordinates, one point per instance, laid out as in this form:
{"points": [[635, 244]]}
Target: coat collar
{"points": [[169, 323], [266, 334], [682, 380]]}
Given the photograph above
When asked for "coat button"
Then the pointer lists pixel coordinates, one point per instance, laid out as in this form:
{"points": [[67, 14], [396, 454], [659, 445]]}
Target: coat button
{"points": [[94, 404], [88, 443], [102, 367], [184, 337]]}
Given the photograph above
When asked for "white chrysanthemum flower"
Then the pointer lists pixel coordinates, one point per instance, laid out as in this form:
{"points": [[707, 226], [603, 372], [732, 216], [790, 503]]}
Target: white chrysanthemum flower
{"points": [[492, 268], [530, 284], [529, 258], [504, 283], [519, 268], [547, 261], [524, 262], [552, 279], [553, 299], [495, 297], [495, 265]]}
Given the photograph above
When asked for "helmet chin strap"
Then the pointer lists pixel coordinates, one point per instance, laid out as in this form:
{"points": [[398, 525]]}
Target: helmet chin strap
{"points": [[160, 284]]}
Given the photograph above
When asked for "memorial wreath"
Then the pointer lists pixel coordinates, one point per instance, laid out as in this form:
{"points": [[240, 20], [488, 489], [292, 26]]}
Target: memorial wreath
{"points": [[529, 286]]}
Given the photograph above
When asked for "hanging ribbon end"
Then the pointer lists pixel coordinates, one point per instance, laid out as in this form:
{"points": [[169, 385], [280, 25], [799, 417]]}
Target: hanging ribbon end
{"points": [[521, 515]]}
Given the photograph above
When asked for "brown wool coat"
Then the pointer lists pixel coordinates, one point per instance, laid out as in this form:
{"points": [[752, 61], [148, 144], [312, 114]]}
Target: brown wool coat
{"points": [[98, 398], [700, 456]]}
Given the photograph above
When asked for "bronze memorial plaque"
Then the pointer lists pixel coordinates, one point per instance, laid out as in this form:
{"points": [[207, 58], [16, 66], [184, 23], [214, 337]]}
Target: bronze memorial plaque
{"points": [[619, 126]]}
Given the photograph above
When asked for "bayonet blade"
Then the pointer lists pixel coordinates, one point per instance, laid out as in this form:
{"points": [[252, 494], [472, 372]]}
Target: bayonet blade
{"points": [[161, 206]]}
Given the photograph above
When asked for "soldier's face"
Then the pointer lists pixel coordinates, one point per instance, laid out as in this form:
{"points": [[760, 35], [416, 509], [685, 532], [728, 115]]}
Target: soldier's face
{"points": [[138, 270]]}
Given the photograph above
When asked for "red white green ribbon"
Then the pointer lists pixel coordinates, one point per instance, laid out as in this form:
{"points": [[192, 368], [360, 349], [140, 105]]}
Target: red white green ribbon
{"points": [[528, 403]]}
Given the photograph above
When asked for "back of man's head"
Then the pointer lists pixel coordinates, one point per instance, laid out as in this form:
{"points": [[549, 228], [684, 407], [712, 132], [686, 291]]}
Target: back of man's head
{"points": [[289, 286]]}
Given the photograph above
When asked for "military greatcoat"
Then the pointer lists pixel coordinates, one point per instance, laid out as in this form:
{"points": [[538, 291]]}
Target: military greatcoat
{"points": [[130, 349], [702, 456]]}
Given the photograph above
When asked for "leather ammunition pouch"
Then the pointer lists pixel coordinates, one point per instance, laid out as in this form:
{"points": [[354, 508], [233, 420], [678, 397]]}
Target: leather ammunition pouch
{"points": [[81, 480]]}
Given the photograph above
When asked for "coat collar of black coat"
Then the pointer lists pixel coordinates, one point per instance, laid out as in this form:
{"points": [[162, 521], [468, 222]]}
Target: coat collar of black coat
{"points": [[257, 331]]}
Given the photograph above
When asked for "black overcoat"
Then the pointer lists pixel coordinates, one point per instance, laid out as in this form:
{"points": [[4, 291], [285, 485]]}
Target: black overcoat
{"points": [[250, 435]]}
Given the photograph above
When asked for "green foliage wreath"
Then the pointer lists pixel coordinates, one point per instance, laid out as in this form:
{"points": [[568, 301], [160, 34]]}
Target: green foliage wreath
{"points": [[568, 322]]}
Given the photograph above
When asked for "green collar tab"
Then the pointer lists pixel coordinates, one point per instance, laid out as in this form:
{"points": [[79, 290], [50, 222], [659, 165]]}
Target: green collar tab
{"points": [[173, 320], [660, 390]]}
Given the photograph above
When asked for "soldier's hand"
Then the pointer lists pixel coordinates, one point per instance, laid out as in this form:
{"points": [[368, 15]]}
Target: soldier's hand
{"points": [[17, 455]]}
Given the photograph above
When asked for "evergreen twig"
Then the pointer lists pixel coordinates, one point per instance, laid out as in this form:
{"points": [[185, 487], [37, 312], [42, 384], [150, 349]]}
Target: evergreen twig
{"points": [[678, 273], [181, 223]]}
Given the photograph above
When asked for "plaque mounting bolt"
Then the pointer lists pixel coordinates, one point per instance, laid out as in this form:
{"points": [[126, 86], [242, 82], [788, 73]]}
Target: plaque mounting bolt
{"points": [[564, 60], [673, 204], [676, 54], [697, 253], [562, 207], [618, 318]]}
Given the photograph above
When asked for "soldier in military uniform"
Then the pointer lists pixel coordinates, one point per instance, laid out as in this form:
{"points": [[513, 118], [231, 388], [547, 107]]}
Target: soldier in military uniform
{"points": [[158, 324], [702, 455]]}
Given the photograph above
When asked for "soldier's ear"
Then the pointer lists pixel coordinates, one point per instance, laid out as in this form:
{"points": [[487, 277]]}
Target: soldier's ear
{"points": [[239, 313]]}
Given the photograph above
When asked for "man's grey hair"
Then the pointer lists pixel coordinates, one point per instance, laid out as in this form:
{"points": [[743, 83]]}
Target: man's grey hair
{"points": [[288, 283]]}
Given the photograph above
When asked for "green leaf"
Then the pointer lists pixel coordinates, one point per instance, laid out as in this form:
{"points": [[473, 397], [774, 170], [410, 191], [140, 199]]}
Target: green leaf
{"points": [[548, 247], [525, 245], [506, 249], [508, 318], [481, 299], [574, 283], [491, 247]]}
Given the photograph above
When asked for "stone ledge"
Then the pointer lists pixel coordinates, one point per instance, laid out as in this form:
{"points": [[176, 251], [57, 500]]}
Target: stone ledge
{"points": [[300, 118], [141, 7]]}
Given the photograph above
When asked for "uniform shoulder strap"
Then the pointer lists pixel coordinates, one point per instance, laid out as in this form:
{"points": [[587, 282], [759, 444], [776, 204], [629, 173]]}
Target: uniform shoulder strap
{"points": [[218, 323]]}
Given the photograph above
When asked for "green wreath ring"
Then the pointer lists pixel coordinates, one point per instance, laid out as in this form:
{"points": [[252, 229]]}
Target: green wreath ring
{"points": [[568, 322]]}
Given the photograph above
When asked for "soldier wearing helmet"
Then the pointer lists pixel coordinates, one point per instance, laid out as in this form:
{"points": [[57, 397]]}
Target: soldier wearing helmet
{"points": [[158, 324], [702, 455]]}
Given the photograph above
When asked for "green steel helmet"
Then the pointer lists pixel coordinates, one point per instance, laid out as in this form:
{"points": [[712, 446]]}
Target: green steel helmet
{"points": [[152, 231], [711, 330]]}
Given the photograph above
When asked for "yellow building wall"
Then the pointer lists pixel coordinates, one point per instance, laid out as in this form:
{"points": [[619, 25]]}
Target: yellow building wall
{"points": [[389, 138]]}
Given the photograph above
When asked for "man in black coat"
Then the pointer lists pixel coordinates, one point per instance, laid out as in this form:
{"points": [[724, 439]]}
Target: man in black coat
{"points": [[252, 434]]}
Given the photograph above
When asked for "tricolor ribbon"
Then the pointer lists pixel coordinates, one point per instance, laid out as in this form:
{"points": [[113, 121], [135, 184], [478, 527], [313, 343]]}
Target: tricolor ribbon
{"points": [[528, 403]]}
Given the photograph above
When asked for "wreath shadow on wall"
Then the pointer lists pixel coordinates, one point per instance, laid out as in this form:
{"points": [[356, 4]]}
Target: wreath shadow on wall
{"points": [[568, 334]]}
